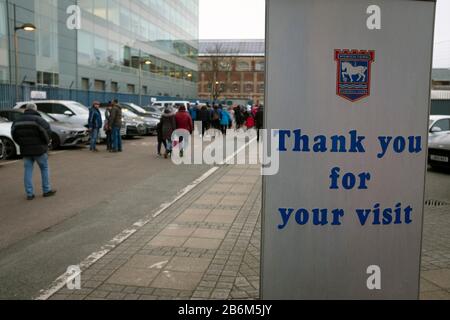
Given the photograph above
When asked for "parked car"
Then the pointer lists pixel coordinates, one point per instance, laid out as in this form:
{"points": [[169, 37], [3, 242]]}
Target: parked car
{"points": [[439, 141], [2, 150], [64, 134], [134, 124], [153, 109], [150, 120], [64, 111], [161, 105], [11, 149], [131, 124]]}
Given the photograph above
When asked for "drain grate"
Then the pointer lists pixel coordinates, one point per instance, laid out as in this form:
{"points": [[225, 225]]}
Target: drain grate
{"points": [[436, 203]]}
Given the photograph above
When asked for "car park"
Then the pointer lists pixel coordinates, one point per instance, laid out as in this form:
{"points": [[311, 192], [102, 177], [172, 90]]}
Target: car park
{"points": [[439, 141], [150, 120], [11, 149], [64, 134]]}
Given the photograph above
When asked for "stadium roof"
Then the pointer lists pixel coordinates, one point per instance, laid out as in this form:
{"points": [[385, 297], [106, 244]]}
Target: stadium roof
{"points": [[252, 47]]}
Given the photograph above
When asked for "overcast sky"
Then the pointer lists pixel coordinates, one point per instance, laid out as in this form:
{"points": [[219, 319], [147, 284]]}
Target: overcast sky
{"points": [[245, 19]]}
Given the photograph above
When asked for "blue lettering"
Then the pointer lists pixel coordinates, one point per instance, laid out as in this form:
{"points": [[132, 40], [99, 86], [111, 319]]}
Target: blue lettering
{"points": [[384, 143], [285, 215]]}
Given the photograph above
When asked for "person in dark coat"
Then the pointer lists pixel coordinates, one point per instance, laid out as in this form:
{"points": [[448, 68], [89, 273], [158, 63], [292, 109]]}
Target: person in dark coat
{"points": [[115, 121], [239, 118], [107, 127], [95, 123], [259, 119], [204, 117], [161, 140], [169, 125], [32, 134]]}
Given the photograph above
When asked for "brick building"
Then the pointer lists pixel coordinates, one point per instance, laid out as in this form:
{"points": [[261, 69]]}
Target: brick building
{"points": [[232, 70]]}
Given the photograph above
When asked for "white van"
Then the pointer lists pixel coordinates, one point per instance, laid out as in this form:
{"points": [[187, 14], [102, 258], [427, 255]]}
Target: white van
{"points": [[161, 105]]}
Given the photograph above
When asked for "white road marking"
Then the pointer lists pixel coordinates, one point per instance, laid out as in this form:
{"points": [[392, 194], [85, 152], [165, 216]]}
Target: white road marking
{"points": [[237, 152], [62, 280]]}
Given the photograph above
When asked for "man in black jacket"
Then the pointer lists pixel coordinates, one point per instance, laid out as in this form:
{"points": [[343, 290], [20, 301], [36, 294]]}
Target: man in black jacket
{"points": [[32, 134]]}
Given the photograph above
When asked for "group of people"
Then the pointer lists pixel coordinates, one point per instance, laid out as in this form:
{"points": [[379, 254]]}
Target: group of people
{"points": [[215, 117], [112, 126], [223, 118]]}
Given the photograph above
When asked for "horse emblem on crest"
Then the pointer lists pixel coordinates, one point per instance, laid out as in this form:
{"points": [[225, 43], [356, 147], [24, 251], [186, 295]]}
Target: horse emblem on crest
{"points": [[354, 73]]}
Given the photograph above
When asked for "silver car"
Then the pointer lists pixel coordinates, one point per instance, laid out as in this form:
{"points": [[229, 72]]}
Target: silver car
{"points": [[64, 134], [64, 111], [439, 141]]}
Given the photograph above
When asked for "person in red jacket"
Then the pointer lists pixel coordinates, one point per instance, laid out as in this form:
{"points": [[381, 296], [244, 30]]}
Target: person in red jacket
{"points": [[184, 121]]}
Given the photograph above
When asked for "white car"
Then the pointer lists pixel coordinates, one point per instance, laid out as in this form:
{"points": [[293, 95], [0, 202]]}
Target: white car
{"points": [[10, 148], [439, 141], [161, 105], [64, 111]]}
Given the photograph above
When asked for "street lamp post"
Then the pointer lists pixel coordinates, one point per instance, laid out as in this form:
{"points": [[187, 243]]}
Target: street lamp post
{"points": [[25, 27]]}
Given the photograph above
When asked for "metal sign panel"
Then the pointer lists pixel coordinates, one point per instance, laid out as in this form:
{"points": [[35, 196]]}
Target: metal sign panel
{"points": [[348, 91]]}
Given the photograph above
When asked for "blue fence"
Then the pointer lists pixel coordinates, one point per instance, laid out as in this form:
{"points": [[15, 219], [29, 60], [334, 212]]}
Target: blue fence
{"points": [[8, 96]]}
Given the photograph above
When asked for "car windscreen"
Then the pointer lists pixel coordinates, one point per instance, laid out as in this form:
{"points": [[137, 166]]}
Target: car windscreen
{"points": [[47, 118], [78, 108], [136, 108]]}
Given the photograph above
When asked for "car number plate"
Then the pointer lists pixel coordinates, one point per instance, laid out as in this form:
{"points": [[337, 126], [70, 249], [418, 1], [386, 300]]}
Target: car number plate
{"points": [[438, 158]]}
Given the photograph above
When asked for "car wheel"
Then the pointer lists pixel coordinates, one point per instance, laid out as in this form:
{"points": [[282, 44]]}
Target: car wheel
{"points": [[55, 142], [10, 148]]}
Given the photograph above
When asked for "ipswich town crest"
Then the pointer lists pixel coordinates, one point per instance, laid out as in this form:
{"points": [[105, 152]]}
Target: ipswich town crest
{"points": [[353, 73]]}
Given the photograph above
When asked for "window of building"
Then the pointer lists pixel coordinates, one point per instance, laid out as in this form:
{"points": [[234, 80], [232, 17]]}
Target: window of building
{"points": [[47, 78], [131, 88], [144, 90], [100, 85], [243, 66], [236, 87], [205, 66], [114, 87], [260, 66], [225, 66], [261, 87], [85, 84], [248, 87]]}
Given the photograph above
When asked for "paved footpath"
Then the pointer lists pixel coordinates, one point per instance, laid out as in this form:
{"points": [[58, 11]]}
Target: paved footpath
{"points": [[207, 246]]}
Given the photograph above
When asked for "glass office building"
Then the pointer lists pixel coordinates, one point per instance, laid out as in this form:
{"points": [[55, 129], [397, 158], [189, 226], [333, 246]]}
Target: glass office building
{"points": [[122, 46]]}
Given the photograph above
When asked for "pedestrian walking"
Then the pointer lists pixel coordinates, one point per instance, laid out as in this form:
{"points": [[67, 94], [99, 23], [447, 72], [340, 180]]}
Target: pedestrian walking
{"points": [[183, 122], [215, 117], [116, 125], [193, 111], [204, 117], [32, 134], [95, 124], [161, 140], [107, 127], [225, 120], [169, 125], [250, 122], [239, 117], [259, 120]]}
